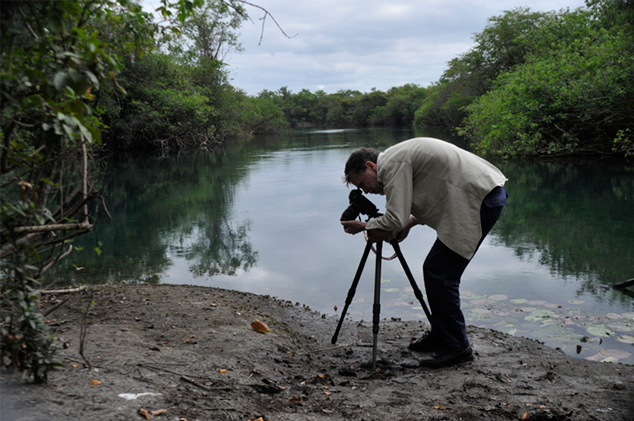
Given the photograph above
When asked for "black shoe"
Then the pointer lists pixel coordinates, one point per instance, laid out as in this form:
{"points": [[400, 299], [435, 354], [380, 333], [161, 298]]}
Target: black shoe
{"points": [[446, 357], [426, 343]]}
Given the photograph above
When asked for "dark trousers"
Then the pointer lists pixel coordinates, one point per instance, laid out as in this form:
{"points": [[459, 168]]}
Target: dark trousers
{"points": [[442, 271]]}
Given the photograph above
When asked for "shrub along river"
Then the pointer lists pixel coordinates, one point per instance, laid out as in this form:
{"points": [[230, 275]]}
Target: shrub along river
{"points": [[263, 217]]}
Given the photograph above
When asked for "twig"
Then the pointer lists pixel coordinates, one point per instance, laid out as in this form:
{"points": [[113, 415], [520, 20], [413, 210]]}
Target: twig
{"points": [[62, 291], [266, 13], [58, 305], [83, 329], [195, 383]]}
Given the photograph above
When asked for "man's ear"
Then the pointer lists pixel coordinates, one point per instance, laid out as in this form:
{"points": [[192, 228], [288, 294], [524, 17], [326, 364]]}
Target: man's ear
{"points": [[370, 165]]}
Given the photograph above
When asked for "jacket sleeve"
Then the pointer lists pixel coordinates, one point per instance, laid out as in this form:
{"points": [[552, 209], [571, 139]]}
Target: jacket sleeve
{"points": [[398, 189]]}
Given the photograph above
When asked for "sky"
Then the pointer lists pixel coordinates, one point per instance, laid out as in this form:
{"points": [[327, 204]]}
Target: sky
{"points": [[360, 44]]}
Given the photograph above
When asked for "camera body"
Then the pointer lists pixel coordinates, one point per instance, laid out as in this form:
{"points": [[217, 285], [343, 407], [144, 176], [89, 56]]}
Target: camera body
{"points": [[359, 204]]}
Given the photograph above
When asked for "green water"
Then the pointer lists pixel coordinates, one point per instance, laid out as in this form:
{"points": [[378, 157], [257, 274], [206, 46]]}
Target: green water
{"points": [[264, 218]]}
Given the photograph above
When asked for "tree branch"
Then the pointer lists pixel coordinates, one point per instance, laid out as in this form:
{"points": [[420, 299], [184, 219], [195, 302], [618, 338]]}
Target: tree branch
{"points": [[266, 13]]}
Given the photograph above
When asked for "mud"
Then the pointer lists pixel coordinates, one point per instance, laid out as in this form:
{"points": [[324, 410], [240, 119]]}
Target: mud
{"points": [[170, 352]]}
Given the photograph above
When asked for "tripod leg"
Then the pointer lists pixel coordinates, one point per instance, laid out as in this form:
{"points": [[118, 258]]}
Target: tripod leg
{"points": [[376, 308], [352, 290], [417, 292]]}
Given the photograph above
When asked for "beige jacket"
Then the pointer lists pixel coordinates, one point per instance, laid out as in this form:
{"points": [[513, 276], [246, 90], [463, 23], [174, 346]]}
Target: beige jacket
{"points": [[440, 185]]}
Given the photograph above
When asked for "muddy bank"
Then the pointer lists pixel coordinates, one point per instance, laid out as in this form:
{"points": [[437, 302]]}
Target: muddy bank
{"points": [[171, 352]]}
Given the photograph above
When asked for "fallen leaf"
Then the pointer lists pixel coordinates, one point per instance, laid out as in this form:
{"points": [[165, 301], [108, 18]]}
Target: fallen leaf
{"points": [[321, 376], [542, 406], [327, 393], [296, 400], [508, 378], [222, 370], [335, 308], [256, 419], [439, 407], [259, 326], [158, 412], [145, 413], [328, 411], [75, 365], [525, 415], [95, 382]]}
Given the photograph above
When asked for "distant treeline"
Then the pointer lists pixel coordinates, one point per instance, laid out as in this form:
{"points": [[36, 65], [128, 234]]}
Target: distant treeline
{"points": [[535, 84]]}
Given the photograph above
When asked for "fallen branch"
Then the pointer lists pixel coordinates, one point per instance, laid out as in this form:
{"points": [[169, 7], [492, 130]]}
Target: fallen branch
{"points": [[621, 285], [54, 227], [62, 291], [55, 307]]}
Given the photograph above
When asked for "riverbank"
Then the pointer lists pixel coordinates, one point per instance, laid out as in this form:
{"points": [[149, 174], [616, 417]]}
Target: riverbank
{"points": [[176, 352]]}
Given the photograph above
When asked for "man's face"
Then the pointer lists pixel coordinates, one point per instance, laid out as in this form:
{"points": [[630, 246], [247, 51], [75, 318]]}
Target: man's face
{"points": [[366, 180]]}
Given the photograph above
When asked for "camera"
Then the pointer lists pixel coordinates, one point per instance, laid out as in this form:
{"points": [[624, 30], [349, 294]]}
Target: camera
{"points": [[359, 204]]}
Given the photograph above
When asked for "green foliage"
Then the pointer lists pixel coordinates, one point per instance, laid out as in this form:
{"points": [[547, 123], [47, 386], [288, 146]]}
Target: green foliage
{"points": [[167, 105], [502, 45], [261, 115], [209, 34], [59, 58], [394, 108], [574, 98]]}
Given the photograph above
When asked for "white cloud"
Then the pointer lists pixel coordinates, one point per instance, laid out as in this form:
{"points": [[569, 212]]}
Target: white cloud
{"points": [[361, 44]]}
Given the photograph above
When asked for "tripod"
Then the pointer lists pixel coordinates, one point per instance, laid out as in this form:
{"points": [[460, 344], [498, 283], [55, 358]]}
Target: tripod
{"points": [[376, 307]]}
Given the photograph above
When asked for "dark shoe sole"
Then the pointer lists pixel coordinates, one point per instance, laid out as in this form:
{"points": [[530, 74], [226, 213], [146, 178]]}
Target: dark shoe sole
{"points": [[438, 362]]}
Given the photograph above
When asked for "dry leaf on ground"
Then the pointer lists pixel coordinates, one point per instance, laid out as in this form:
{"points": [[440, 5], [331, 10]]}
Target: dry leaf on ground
{"points": [[260, 327]]}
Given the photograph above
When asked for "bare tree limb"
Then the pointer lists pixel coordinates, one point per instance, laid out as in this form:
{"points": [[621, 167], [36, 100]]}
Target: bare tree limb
{"points": [[54, 227], [263, 19]]}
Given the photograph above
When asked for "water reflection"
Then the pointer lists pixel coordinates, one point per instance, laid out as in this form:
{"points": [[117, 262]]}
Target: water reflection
{"points": [[164, 208], [264, 217], [574, 219]]}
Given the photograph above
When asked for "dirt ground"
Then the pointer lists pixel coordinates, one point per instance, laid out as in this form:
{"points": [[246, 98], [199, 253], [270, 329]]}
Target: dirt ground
{"points": [[171, 352]]}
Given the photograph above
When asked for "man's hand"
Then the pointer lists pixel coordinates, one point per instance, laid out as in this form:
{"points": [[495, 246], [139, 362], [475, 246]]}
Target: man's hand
{"points": [[353, 227], [374, 236], [401, 235]]}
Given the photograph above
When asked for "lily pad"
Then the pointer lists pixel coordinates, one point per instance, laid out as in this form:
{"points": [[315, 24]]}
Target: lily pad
{"points": [[474, 297], [609, 355], [576, 302], [536, 302], [498, 297], [626, 339], [539, 315], [519, 301], [392, 290], [385, 280], [620, 327], [601, 331]]}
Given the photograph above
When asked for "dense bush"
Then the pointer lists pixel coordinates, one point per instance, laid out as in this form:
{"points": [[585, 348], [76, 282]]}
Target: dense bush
{"points": [[569, 99]]}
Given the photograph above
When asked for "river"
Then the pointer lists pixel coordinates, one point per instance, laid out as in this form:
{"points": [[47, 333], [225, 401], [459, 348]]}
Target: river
{"points": [[263, 217]]}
